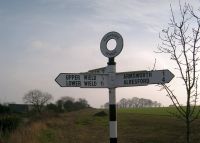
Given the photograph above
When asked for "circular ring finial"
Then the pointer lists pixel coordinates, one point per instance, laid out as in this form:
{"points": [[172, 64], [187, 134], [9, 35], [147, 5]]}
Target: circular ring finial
{"points": [[119, 44]]}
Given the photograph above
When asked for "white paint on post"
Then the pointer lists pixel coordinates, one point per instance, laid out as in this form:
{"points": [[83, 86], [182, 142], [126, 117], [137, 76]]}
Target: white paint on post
{"points": [[111, 68], [113, 129]]}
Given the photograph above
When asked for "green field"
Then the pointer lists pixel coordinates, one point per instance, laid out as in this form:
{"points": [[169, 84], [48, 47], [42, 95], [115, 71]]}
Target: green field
{"points": [[153, 125], [145, 125], [162, 111]]}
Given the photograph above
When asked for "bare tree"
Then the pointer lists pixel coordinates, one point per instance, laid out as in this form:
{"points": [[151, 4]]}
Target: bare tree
{"points": [[129, 103], [137, 103], [37, 98], [123, 103], [181, 40]]}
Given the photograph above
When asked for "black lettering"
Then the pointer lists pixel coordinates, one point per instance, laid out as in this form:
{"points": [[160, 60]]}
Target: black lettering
{"points": [[72, 77], [77, 77], [139, 75], [86, 83], [85, 77], [67, 77], [73, 83], [136, 81], [89, 77], [90, 83]]}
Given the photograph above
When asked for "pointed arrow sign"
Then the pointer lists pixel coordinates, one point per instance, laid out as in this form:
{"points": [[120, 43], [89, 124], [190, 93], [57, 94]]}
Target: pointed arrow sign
{"points": [[68, 80], [83, 80], [143, 78]]}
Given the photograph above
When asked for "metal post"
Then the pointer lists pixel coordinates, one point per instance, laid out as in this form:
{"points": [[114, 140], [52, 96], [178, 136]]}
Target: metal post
{"points": [[112, 102]]}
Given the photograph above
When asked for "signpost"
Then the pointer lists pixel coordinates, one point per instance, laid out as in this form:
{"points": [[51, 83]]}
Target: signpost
{"points": [[107, 77]]}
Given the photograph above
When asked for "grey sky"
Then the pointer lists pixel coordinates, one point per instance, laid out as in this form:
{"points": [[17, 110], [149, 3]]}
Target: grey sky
{"points": [[41, 38]]}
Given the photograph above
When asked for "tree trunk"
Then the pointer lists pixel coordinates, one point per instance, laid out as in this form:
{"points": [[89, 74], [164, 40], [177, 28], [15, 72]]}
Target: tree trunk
{"points": [[38, 108], [188, 130]]}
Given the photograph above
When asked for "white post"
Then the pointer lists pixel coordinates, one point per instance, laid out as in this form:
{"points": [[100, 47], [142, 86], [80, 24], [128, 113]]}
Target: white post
{"points": [[112, 101], [111, 69]]}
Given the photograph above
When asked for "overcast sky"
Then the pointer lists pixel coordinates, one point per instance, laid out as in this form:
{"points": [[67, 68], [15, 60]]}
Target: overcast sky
{"points": [[41, 38]]}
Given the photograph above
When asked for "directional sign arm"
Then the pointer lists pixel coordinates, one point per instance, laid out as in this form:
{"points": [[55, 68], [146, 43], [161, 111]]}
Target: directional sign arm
{"points": [[143, 78], [161, 77], [68, 80], [83, 80]]}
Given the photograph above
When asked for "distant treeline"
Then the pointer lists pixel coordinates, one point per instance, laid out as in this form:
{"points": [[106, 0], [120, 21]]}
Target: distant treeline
{"points": [[63, 104], [67, 104], [134, 102]]}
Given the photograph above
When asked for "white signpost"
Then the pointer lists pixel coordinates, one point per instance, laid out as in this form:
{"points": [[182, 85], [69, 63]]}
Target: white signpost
{"points": [[107, 77]]}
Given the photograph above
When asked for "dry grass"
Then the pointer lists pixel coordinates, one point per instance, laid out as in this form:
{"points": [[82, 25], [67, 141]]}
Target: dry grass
{"points": [[83, 127], [75, 127], [27, 134]]}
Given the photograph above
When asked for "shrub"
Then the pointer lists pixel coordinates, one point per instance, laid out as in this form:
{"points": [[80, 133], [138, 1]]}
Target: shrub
{"points": [[52, 107], [4, 109], [101, 114], [8, 123]]}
